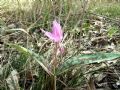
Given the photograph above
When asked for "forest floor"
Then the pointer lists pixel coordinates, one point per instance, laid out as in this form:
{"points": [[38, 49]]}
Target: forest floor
{"points": [[90, 28]]}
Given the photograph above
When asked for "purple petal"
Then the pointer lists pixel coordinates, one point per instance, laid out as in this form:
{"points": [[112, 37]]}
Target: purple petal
{"points": [[57, 34], [48, 34], [56, 31]]}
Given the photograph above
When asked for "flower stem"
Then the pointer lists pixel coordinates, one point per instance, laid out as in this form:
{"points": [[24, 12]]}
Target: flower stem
{"points": [[55, 64], [54, 80]]}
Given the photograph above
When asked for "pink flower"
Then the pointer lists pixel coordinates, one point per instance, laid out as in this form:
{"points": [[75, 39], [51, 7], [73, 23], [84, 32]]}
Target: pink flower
{"points": [[57, 34]]}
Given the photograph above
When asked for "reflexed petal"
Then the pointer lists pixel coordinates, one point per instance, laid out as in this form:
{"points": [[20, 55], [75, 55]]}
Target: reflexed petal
{"points": [[48, 34], [56, 39], [57, 34], [56, 30]]}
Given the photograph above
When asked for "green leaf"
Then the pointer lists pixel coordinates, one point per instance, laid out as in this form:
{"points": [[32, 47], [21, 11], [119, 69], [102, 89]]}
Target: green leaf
{"points": [[21, 49], [39, 59], [86, 59]]}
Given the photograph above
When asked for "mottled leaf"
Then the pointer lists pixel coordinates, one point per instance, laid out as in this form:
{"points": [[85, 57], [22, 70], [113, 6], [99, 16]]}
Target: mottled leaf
{"points": [[86, 59]]}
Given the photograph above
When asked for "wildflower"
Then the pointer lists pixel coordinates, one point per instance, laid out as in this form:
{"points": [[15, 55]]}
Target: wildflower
{"points": [[56, 35]]}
